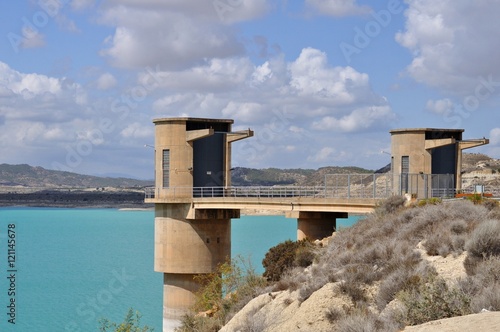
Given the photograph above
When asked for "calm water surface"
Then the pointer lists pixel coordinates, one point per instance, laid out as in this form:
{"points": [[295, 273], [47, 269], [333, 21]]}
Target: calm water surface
{"points": [[75, 266]]}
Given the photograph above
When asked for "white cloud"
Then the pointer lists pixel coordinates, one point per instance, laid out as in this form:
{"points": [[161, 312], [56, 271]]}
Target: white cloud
{"points": [[28, 85], [137, 130], [262, 73], [174, 34], [307, 87], [337, 7], [215, 75], [440, 107], [359, 119], [189, 104], [106, 81], [322, 155], [217, 10], [249, 112], [311, 76], [287, 103], [454, 43], [495, 136]]}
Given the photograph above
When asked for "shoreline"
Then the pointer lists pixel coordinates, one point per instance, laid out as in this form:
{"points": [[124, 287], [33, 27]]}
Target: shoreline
{"points": [[76, 199]]}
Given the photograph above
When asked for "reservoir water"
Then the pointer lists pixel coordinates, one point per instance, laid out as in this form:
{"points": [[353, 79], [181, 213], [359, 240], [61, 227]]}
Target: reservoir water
{"points": [[64, 269]]}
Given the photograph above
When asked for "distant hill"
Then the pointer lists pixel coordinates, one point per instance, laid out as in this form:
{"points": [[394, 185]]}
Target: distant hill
{"points": [[29, 176], [474, 165], [242, 176]]}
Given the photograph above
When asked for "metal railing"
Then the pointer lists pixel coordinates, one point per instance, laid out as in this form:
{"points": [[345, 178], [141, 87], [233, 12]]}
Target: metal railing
{"points": [[363, 186], [376, 185], [336, 186], [249, 192], [425, 185]]}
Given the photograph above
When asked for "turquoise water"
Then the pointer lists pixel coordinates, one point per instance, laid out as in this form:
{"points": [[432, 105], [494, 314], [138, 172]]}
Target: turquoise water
{"points": [[75, 266]]}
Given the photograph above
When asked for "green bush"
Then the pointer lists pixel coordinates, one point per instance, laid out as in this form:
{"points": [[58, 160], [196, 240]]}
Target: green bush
{"points": [[131, 323], [429, 201], [224, 292], [286, 255]]}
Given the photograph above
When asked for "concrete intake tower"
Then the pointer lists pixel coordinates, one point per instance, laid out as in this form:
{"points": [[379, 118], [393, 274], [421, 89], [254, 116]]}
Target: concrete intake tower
{"points": [[191, 155]]}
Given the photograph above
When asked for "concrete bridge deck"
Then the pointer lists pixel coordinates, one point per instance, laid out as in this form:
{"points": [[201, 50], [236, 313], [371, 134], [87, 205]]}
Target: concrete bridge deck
{"points": [[291, 200]]}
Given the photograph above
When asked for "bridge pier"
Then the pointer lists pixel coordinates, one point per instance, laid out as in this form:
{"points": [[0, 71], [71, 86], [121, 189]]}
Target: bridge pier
{"points": [[316, 225], [188, 243]]}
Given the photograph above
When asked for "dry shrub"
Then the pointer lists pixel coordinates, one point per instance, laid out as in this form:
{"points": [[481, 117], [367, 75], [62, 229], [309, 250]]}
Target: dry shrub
{"points": [[361, 273], [488, 298], [488, 270], [354, 291], [305, 255], [287, 301], [438, 243], [402, 279], [494, 213], [334, 314], [458, 243], [458, 226], [358, 321], [306, 291], [391, 205], [490, 204], [190, 323], [434, 300], [291, 280], [485, 239], [471, 263]]}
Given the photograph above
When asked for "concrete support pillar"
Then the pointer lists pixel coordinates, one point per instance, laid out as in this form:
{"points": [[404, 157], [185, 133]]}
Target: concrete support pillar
{"points": [[186, 247], [317, 225]]}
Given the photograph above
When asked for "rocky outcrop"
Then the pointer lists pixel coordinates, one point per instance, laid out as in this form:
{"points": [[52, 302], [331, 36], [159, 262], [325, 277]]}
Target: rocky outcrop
{"points": [[282, 311]]}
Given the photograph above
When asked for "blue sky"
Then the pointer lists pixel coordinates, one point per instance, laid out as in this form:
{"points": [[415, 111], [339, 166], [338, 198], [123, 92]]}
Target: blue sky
{"points": [[321, 82]]}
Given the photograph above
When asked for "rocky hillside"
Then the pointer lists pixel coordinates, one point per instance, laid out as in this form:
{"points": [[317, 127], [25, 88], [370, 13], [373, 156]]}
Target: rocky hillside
{"points": [[399, 267], [39, 177], [301, 177], [480, 169]]}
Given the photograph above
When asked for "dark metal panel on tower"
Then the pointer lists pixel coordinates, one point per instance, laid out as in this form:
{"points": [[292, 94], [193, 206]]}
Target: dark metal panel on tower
{"points": [[208, 164]]}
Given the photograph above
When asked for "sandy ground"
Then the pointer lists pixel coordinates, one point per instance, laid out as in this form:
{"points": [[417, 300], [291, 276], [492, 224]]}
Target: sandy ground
{"points": [[451, 268], [483, 322], [169, 325]]}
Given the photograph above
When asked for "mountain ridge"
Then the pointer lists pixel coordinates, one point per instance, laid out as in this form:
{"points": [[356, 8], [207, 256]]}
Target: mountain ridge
{"points": [[38, 178]]}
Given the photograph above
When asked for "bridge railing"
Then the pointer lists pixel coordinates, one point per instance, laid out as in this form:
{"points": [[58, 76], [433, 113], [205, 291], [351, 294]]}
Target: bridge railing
{"points": [[366, 185], [344, 186], [360, 185], [247, 191]]}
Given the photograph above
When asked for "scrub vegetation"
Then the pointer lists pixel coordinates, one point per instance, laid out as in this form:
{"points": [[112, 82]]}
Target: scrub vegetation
{"points": [[131, 323], [381, 268]]}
